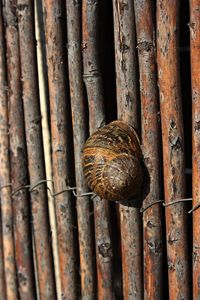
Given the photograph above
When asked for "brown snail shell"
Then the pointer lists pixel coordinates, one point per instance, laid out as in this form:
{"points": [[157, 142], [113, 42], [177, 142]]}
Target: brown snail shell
{"points": [[112, 162]]}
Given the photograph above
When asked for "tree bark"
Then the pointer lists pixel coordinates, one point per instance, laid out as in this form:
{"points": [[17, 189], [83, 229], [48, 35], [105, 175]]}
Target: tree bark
{"points": [[39, 206], [94, 88], [19, 168], [195, 71], [80, 130], [127, 110], [151, 135], [2, 275], [5, 177], [173, 147], [59, 108]]}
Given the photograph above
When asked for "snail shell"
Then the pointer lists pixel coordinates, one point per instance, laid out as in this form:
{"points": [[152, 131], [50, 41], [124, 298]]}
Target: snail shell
{"points": [[112, 162]]}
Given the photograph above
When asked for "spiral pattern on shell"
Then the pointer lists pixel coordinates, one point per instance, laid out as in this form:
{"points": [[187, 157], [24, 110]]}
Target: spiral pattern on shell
{"points": [[112, 162]]}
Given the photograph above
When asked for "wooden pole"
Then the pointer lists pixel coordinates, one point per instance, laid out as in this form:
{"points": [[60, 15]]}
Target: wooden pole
{"points": [[94, 88], [127, 108], [152, 223], [60, 105], [79, 120], [5, 177], [195, 69], [2, 275], [173, 147], [36, 164], [126, 62], [19, 170], [46, 134]]}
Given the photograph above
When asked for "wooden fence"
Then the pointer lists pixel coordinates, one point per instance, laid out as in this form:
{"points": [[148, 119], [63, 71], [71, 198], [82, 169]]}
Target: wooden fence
{"points": [[66, 69]]}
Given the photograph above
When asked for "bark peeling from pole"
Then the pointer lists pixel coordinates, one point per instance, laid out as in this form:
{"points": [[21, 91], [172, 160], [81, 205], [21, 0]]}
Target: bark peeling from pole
{"points": [[59, 105], [94, 88], [195, 71], [19, 168], [173, 147], [78, 103], [5, 193], [152, 225], [39, 205], [127, 109]]}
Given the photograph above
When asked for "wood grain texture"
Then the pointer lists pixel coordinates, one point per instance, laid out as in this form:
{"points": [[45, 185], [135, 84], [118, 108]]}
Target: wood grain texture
{"points": [[195, 69], [61, 152], [127, 110], [151, 150], [94, 89], [5, 177], [80, 133], [173, 147], [19, 162], [34, 143]]}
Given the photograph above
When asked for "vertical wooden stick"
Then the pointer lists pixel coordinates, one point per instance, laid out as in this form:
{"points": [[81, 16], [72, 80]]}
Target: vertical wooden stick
{"points": [[152, 225], [44, 103], [5, 191], [59, 104], [195, 71], [173, 147], [35, 149], [79, 120], [127, 108], [2, 275], [125, 62], [94, 87], [19, 170]]}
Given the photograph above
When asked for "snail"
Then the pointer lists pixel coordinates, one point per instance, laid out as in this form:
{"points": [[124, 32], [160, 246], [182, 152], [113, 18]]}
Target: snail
{"points": [[112, 162]]}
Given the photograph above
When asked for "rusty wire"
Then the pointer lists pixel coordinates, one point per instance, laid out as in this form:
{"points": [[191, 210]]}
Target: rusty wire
{"points": [[31, 188], [143, 209], [73, 188]]}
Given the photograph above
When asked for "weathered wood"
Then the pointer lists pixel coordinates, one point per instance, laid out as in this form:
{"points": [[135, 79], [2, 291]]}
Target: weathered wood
{"points": [[5, 177], [173, 147], [94, 88], [2, 275], [39, 206], [46, 133], [152, 223], [126, 62], [80, 131], [195, 71], [59, 105], [19, 168], [127, 110]]}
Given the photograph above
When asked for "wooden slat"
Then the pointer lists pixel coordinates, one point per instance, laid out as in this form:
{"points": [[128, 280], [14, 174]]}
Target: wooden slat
{"points": [[5, 177], [80, 132], [94, 88], [173, 147], [46, 134], [151, 135], [19, 170], [127, 109], [39, 205], [60, 124], [195, 71], [2, 275]]}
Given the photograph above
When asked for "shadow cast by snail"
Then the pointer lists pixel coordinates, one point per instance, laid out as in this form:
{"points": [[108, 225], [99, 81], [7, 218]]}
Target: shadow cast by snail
{"points": [[113, 166]]}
